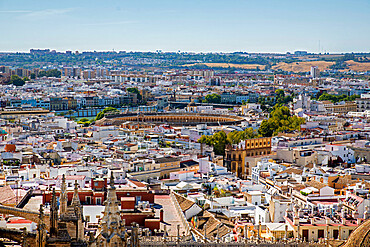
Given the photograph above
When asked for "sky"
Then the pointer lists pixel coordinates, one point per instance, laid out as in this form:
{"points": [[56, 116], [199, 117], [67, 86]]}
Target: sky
{"points": [[334, 26]]}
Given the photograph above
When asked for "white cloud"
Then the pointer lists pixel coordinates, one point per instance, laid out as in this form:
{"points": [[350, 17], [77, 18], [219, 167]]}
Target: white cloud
{"points": [[109, 23], [46, 13], [15, 11]]}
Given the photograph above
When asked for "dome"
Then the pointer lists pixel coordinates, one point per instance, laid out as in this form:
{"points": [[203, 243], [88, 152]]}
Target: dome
{"points": [[360, 237]]}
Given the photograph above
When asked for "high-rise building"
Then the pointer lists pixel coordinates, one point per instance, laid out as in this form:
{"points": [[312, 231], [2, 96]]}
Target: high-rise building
{"points": [[71, 72], [315, 72], [88, 74]]}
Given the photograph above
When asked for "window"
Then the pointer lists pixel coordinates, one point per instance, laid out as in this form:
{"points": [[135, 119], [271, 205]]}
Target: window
{"points": [[98, 201], [138, 198], [87, 218], [96, 184]]}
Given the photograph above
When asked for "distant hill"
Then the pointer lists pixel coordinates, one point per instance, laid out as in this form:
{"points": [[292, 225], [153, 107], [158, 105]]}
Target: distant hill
{"points": [[302, 66], [230, 65]]}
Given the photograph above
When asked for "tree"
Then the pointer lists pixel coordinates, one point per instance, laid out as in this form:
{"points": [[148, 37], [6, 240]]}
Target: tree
{"points": [[135, 91], [337, 98], [33, 76], [16, 81], [217, 140], [281, 98], [236, 136], [103, 112], [84, 121], [50, 73], [280, 120], [213, 98]]}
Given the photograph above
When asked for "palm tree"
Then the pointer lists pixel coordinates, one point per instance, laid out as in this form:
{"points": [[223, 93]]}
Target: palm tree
{"points": [[70, 112]]}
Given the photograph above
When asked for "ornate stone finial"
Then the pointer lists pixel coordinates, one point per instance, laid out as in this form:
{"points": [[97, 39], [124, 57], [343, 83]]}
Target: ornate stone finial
{"points": [[41, 210], [111, 222], [41, 234], [111, 182], [63, 196], [76, 198], [54, 200], [76, 185], [53, 214], [24, 237]]}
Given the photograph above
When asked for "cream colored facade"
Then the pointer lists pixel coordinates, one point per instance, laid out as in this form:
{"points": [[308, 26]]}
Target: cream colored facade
{"points": [[300, 157], [236, 158]]}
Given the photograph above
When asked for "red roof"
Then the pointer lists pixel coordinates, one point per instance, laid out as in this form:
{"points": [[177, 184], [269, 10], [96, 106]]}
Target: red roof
{"points": [[19, 221], [74, 177], [137, 183]]}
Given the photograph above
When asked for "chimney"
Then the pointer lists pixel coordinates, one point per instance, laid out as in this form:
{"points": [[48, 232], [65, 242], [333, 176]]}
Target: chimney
{"points": [[296, 221], [359, 221], [161, 215], [343, 221], [312, 220]]}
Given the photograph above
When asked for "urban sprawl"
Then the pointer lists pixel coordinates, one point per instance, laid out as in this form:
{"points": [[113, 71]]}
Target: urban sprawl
{"points": [[169, 149]]}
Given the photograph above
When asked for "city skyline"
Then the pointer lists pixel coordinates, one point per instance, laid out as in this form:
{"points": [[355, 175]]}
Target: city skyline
{"points": [[206, 26]]}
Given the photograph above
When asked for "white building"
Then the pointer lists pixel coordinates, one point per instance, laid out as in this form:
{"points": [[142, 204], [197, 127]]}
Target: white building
{"points": [[342, 151], [182, 175], [303, 102], [315, 72]]}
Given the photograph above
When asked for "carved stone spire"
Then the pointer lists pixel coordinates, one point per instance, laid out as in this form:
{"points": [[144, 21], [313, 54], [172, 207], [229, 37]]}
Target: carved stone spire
{"points": [[111, 223], [41, 232], [63, 197], [75, 199], [53, 214], [111, 182], [76, 205]]}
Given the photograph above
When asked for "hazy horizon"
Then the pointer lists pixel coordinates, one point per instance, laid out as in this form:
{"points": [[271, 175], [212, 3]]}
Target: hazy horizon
{"points": [[192, 52]]}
